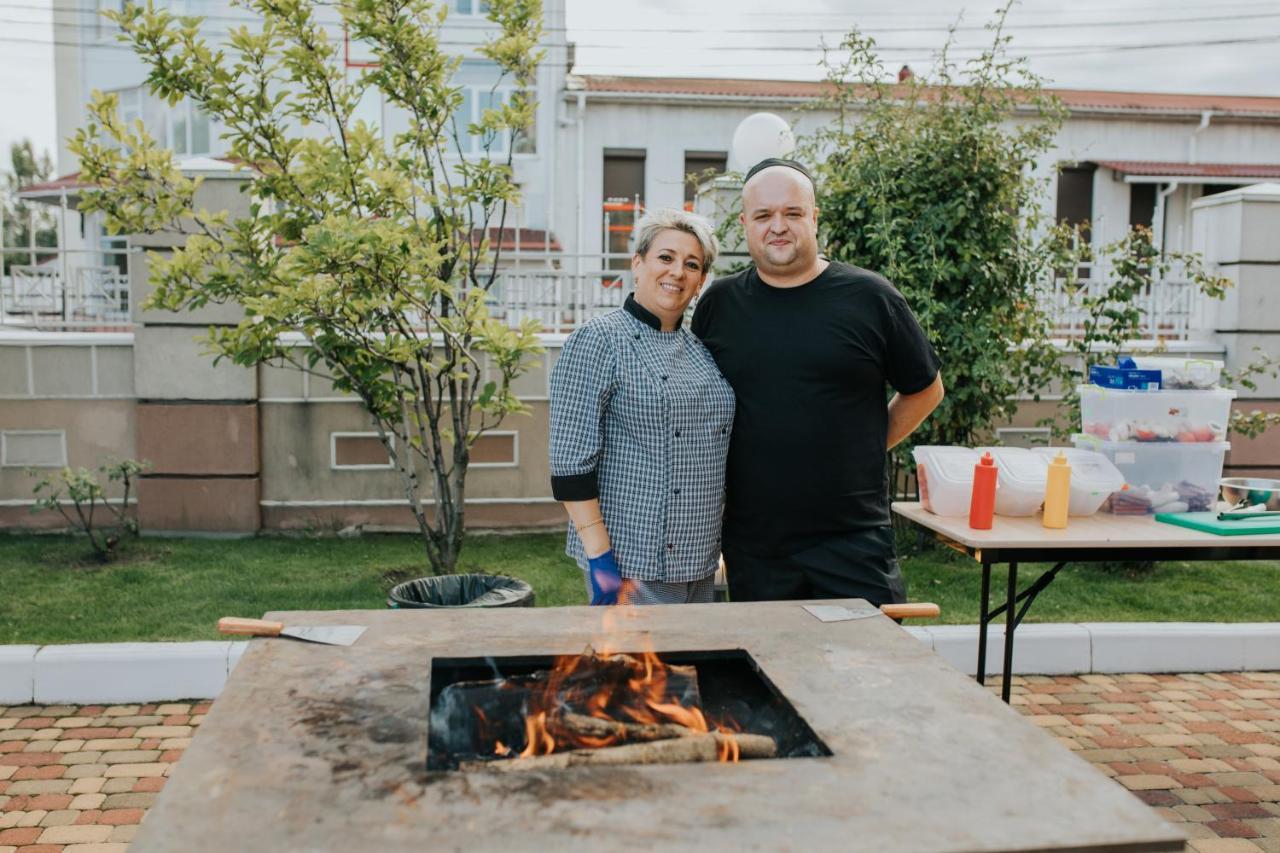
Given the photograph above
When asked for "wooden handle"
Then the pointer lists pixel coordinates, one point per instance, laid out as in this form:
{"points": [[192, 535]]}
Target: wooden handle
{"points": [[252, 627], [914, 610]]}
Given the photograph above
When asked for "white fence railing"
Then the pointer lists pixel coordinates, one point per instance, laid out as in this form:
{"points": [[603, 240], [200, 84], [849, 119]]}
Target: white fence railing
{"points": [[82, 289], [1171, 308]]}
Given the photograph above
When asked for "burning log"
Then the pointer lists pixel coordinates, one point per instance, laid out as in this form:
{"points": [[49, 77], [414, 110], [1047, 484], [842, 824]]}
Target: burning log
{"points": [[594, 727], [710, 746]]}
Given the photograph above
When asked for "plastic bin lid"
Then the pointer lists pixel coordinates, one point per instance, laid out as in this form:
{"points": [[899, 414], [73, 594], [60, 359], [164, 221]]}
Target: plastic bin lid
{"points": [[1089, 442], [1200, 393], [1089, 468], [1019, 466], [948, 463]]}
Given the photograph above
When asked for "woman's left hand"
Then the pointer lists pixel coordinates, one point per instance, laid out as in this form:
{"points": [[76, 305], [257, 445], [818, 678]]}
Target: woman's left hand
{"points": [[605, 578]]}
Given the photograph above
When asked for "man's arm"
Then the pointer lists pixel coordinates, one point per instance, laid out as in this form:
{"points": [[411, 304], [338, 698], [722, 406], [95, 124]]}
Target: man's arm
{"points": [[908, 411]]}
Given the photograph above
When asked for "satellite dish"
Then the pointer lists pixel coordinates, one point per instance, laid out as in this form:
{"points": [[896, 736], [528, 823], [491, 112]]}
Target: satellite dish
{"points": [[758, 137]]}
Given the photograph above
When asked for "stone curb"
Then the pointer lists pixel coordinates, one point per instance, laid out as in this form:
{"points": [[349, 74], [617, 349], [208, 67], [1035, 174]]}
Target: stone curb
{"points": [[96, 673]]}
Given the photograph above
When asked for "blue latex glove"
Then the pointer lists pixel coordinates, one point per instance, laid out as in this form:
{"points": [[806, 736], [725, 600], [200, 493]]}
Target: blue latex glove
{"points": [[605, 578]]}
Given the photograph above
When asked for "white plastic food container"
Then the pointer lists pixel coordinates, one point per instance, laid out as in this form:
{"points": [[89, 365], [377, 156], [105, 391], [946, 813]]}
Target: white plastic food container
{"points": [[1163, 477], [945, 475], [1022, 476], [1182, 373], [1093, 477], [1187, 417]]}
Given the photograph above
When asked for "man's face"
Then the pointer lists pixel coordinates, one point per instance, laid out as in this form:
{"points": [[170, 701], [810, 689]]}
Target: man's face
{"points": [[781, 221]]}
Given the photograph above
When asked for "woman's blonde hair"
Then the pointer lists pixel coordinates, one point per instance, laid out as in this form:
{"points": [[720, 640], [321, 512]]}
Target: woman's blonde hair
{"points": [[655, 222]]}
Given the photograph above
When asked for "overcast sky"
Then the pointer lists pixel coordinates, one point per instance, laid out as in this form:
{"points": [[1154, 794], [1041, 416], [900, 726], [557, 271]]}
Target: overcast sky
{"points": [[1143, 45]]}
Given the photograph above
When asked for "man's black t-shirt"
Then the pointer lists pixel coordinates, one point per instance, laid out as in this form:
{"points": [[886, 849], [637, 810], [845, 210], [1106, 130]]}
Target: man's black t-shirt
{"points": [[809, 365]]}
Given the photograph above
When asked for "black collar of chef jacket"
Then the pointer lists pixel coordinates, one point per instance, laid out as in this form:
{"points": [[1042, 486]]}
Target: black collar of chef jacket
{"points": [[644, 315]]}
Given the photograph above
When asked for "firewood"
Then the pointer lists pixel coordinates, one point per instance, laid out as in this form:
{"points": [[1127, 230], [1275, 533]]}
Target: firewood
{"points": [[580, 724], [697, 748]]}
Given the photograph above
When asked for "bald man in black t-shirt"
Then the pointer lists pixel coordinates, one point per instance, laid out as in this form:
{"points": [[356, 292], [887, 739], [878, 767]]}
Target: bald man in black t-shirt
{"points": [[809, 346]]}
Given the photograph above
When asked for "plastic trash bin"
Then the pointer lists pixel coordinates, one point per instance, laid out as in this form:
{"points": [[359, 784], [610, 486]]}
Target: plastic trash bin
{"points": [[471, 590]]}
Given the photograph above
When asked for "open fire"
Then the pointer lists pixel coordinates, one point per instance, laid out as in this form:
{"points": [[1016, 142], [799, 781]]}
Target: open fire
{"points": [[609, 708]]}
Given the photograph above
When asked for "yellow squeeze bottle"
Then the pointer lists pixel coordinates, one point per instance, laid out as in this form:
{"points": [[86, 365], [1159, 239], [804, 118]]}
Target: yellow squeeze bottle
{"points": [[1057, 493]]}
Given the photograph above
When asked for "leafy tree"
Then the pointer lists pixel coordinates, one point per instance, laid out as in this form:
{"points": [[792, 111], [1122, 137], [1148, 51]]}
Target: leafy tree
{"points": [[374, 250], [26, 168], [930, 182]]}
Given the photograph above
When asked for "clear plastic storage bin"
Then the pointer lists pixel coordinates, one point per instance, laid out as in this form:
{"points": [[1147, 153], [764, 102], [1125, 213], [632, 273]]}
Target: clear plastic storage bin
{"points": [[1022, 476], [945, 475], [1182, 373], [1163, 477], [1093, 477], [1186, 417]]}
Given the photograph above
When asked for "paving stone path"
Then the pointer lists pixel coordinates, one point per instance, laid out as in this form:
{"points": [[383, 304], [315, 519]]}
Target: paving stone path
{"points": [[1202, 750]]}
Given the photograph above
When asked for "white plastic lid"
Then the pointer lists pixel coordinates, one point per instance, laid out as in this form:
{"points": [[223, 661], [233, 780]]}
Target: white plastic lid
{"points": [[1089, 469], [1019, 466], [948, 463], [1196, 393]]}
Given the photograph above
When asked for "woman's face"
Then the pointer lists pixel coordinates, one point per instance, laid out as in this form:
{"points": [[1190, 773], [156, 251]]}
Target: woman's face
{"points": [[670, 275]]}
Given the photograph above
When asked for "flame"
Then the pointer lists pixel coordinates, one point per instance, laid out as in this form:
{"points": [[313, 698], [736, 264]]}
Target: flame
{"points": [[612, 687]]}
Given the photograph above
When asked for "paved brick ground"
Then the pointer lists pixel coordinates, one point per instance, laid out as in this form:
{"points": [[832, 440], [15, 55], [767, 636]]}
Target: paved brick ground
{"points": [[1202, 750], [80, 779]]}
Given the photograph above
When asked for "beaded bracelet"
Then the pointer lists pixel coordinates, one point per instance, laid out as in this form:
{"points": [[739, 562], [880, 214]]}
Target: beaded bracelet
{"points": [[592, 524]]}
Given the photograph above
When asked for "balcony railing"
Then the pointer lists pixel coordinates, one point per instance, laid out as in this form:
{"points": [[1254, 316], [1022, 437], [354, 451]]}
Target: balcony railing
{"points": [[1171, 308], [89, 290]]}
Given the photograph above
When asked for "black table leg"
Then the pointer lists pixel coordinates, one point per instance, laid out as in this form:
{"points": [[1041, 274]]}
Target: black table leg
{"points": [[984, 605], [1010, 623]]}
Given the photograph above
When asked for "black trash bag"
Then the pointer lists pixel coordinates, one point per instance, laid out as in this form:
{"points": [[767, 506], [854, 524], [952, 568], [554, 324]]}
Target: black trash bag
{"points": [[461, 591]]}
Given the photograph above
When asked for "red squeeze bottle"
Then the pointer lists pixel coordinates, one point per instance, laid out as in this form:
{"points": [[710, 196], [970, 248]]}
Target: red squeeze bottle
{"points": [[982, 504]]}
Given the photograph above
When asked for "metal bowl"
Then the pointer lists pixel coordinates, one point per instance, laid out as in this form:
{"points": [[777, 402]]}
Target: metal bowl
{"points": [[1250, 491]]}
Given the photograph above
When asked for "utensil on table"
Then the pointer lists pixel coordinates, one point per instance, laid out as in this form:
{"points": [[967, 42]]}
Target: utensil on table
{"points": [[1248, 515], [1249, 491], [330, 635], [840, 613]]}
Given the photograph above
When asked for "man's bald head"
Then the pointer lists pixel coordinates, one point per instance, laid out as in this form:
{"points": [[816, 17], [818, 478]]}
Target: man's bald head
{"points": [[779, 174], [780, 219]]}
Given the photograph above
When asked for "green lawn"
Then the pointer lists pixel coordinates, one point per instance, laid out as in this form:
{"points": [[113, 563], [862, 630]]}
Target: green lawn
{"points": [[175, 589]]}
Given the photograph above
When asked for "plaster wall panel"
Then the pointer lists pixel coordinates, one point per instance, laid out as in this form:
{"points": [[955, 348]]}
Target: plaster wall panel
{"points": [[213, 505], [62, 371], [533, 383], [1241, 351], [95, 430], [115, 371], [1239, 226], [217, 193], [140, 290], [1263, 450], [279, 382], [13, 371], [199, 439], [170, 364], [513, 515]]}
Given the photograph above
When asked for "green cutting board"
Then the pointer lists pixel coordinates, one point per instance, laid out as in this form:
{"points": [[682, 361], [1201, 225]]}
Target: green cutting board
{"points": [[1209, 523]]}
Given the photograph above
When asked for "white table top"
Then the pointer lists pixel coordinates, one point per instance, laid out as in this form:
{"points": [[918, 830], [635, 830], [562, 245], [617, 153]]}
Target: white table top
{"points": [[1101, 530]]}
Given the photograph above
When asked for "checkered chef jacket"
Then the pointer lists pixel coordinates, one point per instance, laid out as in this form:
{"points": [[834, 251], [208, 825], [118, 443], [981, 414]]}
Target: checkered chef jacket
{"points": [[641, 419]]}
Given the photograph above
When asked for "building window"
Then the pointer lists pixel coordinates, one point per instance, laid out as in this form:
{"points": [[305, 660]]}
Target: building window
{"points": [[1075, 196], [1142, 205], [358, 451], [45, 448], [623, 200], [184, 128], [481, 91], [699, 167], [471, 7], [496, 449]]}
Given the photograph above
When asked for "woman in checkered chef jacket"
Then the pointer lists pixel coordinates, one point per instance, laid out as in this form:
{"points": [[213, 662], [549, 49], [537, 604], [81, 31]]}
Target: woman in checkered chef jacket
{"points": [[640, 423]]}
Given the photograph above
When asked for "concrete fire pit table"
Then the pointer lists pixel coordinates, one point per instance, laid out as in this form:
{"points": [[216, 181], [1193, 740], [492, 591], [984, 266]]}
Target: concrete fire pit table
{"points": [[313, 747]]}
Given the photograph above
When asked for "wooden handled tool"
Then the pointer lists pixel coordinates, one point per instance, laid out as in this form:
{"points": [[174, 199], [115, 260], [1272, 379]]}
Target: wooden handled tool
{"points": [[912, 610], [332, 635]]}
